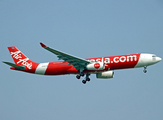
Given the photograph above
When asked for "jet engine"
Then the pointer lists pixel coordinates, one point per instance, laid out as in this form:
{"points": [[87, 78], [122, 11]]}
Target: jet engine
{"points": [[96, 66], [105, 75]]}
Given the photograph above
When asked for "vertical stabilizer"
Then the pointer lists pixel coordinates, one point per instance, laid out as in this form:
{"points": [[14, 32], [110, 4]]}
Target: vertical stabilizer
{"points": [[19, 58]]}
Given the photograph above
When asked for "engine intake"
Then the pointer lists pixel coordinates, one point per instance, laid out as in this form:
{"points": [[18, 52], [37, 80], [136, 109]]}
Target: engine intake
{"points": [[105, 75]]}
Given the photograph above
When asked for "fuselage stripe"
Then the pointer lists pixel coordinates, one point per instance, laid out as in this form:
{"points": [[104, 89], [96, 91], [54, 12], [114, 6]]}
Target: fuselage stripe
{"points": [[41, 68]]}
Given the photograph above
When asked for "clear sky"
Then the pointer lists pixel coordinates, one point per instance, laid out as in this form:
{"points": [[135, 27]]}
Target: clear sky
{"points": [[88, 28]]}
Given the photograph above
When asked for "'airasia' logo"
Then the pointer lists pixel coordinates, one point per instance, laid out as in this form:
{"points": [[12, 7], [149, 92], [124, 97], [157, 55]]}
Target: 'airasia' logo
{"points": [[97, 65], [17, 55]]}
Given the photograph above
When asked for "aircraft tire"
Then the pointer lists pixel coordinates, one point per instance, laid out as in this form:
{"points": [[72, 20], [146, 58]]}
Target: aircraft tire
{"points": [[144, 71], [82, 74], [78, 76], [88, 79], [84, 81]]}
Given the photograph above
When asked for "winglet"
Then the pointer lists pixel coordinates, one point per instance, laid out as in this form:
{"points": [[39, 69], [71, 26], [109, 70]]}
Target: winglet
{"points": [[43, 45]]}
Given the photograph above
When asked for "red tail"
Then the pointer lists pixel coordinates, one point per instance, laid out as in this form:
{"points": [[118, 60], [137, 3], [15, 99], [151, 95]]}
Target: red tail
{"points": [[20, 59]]}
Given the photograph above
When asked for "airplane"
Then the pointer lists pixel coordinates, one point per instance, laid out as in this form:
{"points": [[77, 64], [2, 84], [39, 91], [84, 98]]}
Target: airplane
{"points": [[103, 67]]}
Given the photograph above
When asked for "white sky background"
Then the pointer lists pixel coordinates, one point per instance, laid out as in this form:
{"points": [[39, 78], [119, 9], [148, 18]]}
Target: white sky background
{"points": [[85, 29]]}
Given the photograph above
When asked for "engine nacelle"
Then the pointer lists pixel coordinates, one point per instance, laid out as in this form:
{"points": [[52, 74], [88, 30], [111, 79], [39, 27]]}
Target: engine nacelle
{"points": [[96, 66], [105, 75]]}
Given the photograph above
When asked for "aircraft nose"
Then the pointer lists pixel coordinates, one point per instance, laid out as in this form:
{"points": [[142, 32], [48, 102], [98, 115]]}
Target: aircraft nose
{"points": [[158, 59]]}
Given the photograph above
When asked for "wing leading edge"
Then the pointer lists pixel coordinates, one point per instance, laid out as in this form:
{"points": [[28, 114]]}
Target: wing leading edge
{"points": [[77, 62]]}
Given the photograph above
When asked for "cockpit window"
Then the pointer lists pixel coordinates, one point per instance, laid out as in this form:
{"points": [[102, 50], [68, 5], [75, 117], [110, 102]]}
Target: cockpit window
{"points": [[153, 55]]}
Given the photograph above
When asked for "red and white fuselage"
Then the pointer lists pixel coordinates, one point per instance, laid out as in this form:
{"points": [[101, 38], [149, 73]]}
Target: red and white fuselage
{"points": [[74, 65]]}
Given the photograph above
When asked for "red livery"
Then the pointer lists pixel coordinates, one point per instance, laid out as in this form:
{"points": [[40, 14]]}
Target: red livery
{"points": [[102, 66]]}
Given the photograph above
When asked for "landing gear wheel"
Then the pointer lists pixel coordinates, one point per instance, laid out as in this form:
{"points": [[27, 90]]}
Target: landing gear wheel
{"points": [[82, 74], [84, 81], [145, 67], [144, 71], [78, 76], [88, 79]]}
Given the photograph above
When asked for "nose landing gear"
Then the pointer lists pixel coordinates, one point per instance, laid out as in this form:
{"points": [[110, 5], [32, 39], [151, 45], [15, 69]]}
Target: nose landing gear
{"points": [[145, 67]]}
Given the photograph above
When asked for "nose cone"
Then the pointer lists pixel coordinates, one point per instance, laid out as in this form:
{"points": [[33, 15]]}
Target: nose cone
{"points": [[158, 59]]}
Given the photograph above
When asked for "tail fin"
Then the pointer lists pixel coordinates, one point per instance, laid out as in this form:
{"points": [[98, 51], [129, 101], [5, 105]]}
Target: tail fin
{"points": [[19, 58]]}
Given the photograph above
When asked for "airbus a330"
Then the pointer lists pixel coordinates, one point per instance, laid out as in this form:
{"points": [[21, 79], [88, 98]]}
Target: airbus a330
{"points": [[103, 67]]}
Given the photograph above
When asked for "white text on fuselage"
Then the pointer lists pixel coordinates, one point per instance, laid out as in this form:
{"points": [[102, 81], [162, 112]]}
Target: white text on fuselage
{"points": [[117, 59], [16, 55]]}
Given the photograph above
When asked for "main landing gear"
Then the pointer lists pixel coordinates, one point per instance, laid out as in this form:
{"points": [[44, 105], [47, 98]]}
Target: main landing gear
{"points": [[145, 67], [81, 74], [86, 78]]}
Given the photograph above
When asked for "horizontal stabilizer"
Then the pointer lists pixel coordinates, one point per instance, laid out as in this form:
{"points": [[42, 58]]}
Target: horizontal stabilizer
{"points": [[15, 66]]}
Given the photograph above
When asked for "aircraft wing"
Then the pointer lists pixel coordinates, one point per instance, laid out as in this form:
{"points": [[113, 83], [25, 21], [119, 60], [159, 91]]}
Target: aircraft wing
{"points": [[72, 60]]}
